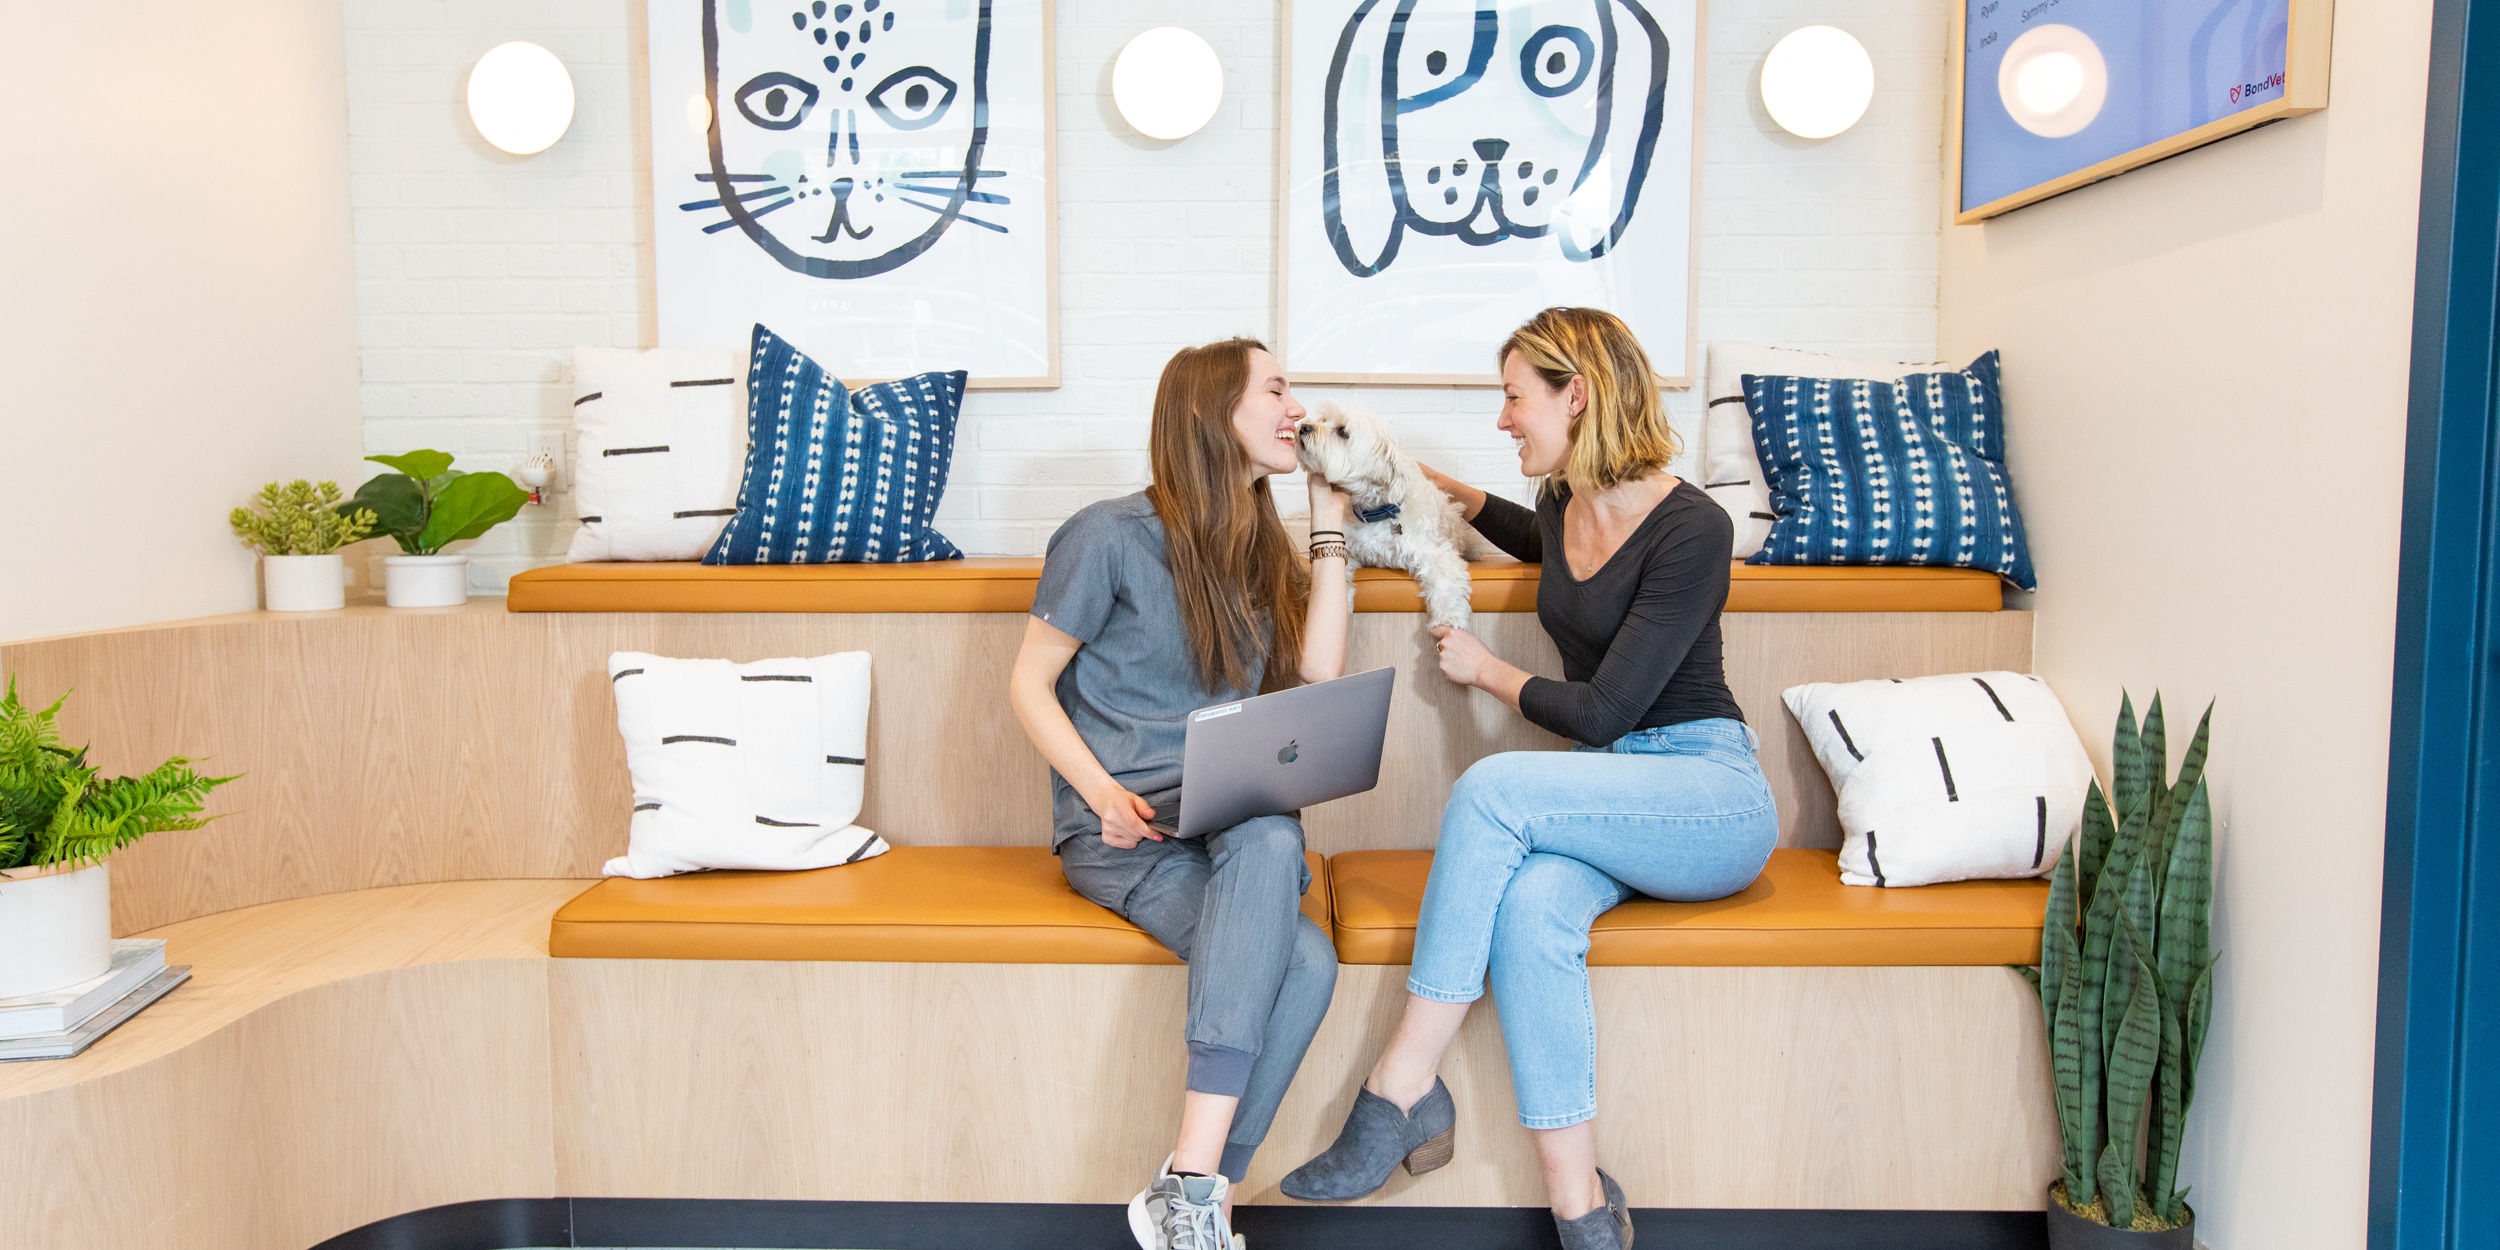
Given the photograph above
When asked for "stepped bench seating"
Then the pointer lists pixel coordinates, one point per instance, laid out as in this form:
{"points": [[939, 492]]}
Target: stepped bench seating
{"points": [[913, 904], [1009, 905], [411, 989], [1006, 585]]}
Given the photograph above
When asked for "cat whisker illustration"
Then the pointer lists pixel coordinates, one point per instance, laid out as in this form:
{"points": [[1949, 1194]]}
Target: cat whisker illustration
{"points": [[947, 175], [977, 197], [966, 218], [718, 226], [763, 193], [735, 178]]}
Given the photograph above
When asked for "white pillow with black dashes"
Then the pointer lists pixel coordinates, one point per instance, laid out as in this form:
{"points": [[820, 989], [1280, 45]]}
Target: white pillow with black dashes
{"points": [[758, 765], [660, 443], [1946, 778], [1731, 468]]}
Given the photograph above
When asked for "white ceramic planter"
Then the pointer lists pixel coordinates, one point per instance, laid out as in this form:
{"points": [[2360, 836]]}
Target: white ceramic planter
{"points": [[56, 928], [425, 581], [303, 583]]}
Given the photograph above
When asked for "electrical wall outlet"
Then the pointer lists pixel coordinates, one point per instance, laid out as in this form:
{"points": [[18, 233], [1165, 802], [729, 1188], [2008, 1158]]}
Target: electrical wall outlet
{"points": [[555, 445]]}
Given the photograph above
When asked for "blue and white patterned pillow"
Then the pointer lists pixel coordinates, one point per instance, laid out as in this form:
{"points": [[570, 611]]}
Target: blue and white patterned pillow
{"points": [[1906, 472], [837, 476]]}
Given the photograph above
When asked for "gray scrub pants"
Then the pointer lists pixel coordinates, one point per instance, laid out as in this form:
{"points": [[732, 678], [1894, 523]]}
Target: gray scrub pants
{"points": [[1260, 973]]}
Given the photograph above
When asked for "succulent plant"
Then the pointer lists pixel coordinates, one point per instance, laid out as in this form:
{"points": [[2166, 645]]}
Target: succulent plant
{"points": [[299, 519], [2126, 977]]}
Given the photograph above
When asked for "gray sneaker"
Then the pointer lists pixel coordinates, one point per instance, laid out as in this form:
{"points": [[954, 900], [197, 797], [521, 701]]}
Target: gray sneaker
{"points": [[1182, 1213]]}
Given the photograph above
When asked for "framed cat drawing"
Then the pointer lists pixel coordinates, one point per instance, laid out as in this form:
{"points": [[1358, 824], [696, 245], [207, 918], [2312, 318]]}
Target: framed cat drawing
{"points": [[872, 179], [1449, 167]]}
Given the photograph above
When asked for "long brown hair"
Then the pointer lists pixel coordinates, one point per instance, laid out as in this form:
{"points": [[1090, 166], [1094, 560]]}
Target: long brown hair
{"points": [[1231, 562], [1622, 433]]}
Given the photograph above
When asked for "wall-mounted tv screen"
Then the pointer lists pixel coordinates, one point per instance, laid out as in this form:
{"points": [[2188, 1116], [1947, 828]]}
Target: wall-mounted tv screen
{"points": [[2055, 94]]}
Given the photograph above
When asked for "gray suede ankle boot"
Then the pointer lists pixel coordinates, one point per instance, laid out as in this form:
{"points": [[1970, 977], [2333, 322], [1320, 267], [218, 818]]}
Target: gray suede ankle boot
{"points": [[1376, 1136], [1607, 1228]]}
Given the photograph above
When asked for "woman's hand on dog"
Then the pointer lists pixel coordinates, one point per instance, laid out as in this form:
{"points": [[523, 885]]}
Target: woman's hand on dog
{"points": [[1466, 660], [1329, 507], [1124, 817], [1470, 501], [1463, 656]]}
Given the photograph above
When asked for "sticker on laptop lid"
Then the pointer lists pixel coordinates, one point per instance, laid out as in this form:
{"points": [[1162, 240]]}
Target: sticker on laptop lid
{"points": [[1213, 712]]}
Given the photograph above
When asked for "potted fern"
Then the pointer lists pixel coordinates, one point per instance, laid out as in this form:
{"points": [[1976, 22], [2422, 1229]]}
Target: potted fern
{"points": [[59, 819], [425, 506], [2126, 986], [298, 529]]}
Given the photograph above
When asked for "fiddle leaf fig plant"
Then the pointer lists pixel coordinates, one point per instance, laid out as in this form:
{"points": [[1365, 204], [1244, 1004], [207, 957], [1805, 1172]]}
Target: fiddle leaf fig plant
{"points": [[57, 809], [427, 505]]}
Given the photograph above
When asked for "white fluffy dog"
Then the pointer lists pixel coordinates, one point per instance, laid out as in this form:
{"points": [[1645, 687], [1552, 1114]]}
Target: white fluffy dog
{"points": [[1401, 520]]}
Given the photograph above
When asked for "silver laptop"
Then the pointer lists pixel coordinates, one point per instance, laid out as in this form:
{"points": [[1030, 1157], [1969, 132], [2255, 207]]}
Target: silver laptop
{"points": [[1279, 752]]}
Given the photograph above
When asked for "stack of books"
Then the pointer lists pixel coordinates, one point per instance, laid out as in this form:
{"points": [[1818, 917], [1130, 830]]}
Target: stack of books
{"points": [[61, 1023]]}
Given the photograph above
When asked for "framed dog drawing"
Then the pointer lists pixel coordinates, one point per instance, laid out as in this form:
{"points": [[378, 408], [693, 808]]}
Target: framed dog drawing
{"points": [[1449, 167], [872, 179]]}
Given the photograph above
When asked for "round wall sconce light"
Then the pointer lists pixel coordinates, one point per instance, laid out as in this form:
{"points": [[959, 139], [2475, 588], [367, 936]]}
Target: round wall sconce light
{"points": [[2053, 81], [1817, 81], [520, 98], [1167, 83]]}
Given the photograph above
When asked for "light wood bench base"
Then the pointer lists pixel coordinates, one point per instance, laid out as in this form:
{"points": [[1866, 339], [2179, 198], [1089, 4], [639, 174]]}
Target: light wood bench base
{"points": [[343, 1059]]}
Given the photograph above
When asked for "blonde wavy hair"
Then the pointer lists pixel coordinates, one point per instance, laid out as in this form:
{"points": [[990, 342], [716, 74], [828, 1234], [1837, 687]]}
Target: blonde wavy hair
{"points": [[1622, 433]]}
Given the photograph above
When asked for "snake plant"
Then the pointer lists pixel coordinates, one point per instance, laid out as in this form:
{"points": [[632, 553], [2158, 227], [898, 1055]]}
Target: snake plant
{"points": [[2126, 977]]}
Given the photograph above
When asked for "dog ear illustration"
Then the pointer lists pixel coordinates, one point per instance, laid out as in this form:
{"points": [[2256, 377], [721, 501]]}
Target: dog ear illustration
{"points": [[1360, 202], [1631, 108]]}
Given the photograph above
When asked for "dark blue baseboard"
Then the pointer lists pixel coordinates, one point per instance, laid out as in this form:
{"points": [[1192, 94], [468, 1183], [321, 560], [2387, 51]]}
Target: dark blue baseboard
{"points": [[503, 1224]]}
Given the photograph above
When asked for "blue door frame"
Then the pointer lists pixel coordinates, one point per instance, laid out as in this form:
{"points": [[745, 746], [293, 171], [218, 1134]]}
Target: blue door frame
{"points": [[2435, 1136]]}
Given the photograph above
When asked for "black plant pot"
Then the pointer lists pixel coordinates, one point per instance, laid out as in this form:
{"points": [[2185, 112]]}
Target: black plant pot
{"points": [[2069, 1231]]}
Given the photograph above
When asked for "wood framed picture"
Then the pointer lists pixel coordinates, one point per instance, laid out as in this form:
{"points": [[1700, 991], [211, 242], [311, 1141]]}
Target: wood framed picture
{"points": [[1447, 168], [2051, 95], [873, 179]]}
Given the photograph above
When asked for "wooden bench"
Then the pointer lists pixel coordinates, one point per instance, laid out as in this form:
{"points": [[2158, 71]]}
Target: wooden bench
{"points": [[1802, 1043], [1796, 915], [358, 1044], [913, 904], [1006, 585]]}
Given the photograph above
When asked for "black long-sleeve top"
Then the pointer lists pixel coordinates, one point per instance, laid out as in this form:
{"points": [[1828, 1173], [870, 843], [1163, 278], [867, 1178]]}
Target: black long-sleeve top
{"points": [[1640, 638]]}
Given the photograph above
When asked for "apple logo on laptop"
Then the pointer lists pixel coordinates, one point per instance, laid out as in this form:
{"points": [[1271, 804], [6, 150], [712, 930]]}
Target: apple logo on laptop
{"points": [[1292, 751]]}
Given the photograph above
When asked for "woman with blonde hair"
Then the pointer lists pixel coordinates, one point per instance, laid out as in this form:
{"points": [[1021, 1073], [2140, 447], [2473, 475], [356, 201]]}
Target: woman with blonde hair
{"points": [[1662, 797], [1151, 606]]}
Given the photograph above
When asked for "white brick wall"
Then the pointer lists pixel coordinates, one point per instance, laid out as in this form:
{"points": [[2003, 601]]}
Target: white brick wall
{"points": [[478, 271]]}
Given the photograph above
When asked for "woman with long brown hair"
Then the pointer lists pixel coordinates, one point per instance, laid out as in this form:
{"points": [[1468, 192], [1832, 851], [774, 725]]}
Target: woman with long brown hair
{"points": [[1663, 796], [1152, 606]]}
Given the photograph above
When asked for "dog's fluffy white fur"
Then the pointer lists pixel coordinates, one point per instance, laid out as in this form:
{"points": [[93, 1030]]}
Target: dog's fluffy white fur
{"points": [[1356, 452]]}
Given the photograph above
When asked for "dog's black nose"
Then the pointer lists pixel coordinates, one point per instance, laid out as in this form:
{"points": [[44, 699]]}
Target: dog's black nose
{"points": [[1492, 149]]}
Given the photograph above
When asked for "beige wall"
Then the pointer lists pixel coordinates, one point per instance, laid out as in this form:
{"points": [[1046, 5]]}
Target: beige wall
{"points": [[2205, 375], [177, 306]]}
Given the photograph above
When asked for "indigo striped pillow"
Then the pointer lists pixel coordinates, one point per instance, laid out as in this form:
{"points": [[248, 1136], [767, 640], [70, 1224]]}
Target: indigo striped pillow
{"points": [[837, 476], [1906, 472]]}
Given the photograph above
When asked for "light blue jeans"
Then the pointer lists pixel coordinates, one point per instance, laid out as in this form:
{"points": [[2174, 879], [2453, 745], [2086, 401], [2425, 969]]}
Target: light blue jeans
{"points": [[1536, 845]]}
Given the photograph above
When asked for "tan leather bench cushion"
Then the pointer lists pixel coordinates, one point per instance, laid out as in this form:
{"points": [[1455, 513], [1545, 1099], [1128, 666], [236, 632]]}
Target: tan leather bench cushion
{"points": [[1797, 914], [913, 904], [1005, 585]]}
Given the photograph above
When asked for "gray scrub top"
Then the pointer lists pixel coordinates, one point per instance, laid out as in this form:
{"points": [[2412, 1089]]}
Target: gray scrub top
{"points": [[1132, 685]]}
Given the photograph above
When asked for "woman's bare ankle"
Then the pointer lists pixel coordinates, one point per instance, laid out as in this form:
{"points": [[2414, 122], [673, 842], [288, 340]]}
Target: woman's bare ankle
{"points": [[1402, 1089], [1592, 1200]]}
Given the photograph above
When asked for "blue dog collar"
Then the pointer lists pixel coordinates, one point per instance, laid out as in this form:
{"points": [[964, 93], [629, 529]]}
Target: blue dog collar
{"points": [[1374, 516]]}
